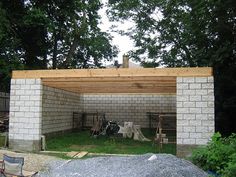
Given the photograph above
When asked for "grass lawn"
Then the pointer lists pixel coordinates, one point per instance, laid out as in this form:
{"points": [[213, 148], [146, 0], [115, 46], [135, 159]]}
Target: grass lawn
{"points": [[2, 141], [82, 141]]}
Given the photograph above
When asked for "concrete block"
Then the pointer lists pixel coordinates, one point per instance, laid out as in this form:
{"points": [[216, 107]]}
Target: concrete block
{"points": [[211, 117], [207, 123], [183, 98], [201, 104], [201, 92], [24, 131], [19, 92], [201, 79], [24, 98], [35, 87], [201, 141], [179, 141], [188, 79], [195, 135], [34, 98], [180, 116], [210, 92], [13, 81], [189, 141], [189, 92], [211, 129], [189, 116], [14, 98], [14, 108], [24, 109], [179, 104], [29, 92], [195, 98], [195, 110], [182, 86], [189, 129], [208, 110], [207, 135], [179, 79], [208, 86], [25, 87], [210, 79], [208, 98], [20, 81], [195, 86], [30, 81], [182, 135], [183, 110], [188, 104], [15, 87], [195, 122], [201, 129]]}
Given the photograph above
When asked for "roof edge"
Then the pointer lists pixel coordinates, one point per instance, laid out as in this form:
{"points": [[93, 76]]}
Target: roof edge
{"points": [[120, 72]]}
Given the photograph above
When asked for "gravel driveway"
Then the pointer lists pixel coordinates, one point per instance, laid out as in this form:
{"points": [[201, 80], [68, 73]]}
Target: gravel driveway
{"points": [[33, 162], [163, 165]]}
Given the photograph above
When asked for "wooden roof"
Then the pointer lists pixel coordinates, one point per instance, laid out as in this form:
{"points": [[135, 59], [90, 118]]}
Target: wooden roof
{"points": [[125, 80]]}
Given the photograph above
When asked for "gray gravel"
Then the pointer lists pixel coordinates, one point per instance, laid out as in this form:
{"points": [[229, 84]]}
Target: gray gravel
{"points": [[165, 165]]}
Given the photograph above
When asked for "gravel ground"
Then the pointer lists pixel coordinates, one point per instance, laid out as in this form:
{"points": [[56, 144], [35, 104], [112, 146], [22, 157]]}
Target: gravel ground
{"points": [[33, 162], [164, 165]]}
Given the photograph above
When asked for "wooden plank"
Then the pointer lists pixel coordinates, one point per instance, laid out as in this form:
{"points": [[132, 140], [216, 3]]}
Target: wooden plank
{"points": [[108, 84], [165, 90], [112, 79], [121, 72]]}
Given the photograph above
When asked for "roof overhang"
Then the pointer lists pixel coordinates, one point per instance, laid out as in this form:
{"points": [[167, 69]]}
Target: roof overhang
{"points": [[124, 80]]}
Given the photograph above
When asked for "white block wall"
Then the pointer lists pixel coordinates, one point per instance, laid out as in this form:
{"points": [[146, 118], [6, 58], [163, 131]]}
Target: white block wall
{"points": [[57, 109], [25, 112], [128, 107], [195, 110]]}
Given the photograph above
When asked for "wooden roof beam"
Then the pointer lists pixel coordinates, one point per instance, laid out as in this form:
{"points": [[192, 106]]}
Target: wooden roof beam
{"points": [[121, 72]]}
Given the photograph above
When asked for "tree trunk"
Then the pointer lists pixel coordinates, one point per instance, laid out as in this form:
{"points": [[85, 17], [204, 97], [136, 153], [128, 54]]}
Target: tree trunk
{"points": [[54, 55], [75, 43]]}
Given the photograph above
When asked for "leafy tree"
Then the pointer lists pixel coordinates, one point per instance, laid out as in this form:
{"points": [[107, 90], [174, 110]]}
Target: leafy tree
{"points": [[41, 34], [187, 33]]}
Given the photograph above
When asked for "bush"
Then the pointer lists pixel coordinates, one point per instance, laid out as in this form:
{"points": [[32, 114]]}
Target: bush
{"points": [[218, 156]]}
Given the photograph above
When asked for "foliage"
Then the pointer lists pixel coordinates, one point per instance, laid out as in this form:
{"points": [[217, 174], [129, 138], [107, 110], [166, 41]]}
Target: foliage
{"points": [[38, 34], [219, 155], [187, 33]]}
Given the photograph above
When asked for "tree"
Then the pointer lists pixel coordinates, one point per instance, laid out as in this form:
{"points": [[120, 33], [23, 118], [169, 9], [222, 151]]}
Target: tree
{"points": [[187, 33], [72, 25], [41, 34]]}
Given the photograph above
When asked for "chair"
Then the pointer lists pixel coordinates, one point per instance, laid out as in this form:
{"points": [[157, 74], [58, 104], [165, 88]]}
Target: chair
{"points": [[13, 167]]}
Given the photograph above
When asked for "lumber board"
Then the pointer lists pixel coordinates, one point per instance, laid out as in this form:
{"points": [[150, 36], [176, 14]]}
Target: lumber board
{"points": [[109, 84], [121, 72], [169, 90], [112, 79]]}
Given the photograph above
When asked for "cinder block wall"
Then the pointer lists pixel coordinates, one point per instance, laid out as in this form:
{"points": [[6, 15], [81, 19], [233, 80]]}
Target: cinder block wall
{"points": [[195, 110], [25, 114], [57, 109], [128, 107]]}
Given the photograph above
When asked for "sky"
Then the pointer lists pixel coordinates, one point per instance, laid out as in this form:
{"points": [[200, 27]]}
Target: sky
{"points": [[123, 42]]}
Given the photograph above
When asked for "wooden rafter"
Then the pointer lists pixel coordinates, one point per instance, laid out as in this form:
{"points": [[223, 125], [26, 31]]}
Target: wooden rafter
{"points": [[123, 72]]}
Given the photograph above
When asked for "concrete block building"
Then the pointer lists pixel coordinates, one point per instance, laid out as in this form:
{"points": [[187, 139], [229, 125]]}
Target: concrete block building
{"points": [[43, 101]]}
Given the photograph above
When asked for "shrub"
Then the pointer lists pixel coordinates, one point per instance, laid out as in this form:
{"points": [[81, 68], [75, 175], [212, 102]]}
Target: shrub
{"points": [[218, 156]]}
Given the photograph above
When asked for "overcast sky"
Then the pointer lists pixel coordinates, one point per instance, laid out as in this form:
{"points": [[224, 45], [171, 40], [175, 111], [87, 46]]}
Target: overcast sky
{"points": [[123, 42]]}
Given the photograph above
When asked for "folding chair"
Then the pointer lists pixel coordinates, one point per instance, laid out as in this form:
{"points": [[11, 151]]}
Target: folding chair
{"points": [[13, 167]]}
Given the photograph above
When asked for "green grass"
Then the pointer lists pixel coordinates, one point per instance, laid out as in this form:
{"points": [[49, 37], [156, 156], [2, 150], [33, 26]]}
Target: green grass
{"points": [[82, 141], [2, 141]]}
